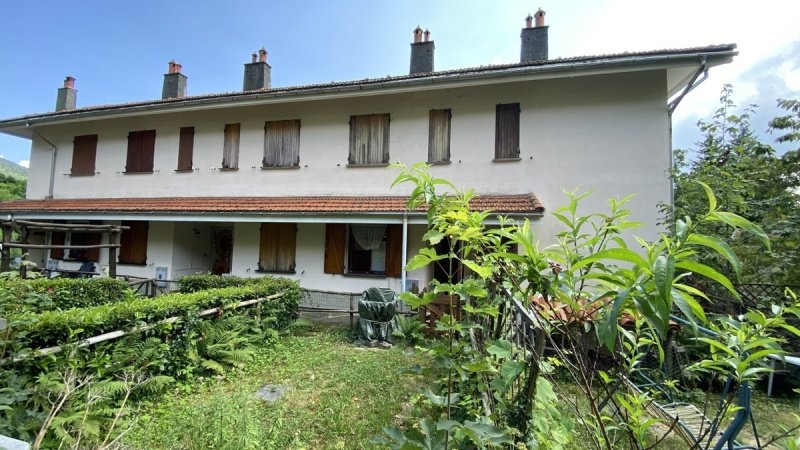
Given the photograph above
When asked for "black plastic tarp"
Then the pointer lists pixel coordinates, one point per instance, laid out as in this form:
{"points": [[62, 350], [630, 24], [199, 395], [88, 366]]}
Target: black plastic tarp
{"points": [[376, 315]]}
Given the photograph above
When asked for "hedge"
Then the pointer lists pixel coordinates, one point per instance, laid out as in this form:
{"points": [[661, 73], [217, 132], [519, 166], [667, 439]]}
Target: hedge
{"points": [[44, 294], [195, 283], [55, 327]]}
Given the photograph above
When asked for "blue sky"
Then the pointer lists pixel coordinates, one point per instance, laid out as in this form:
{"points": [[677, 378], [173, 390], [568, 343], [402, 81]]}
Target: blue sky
{"points": [[118, 51]]}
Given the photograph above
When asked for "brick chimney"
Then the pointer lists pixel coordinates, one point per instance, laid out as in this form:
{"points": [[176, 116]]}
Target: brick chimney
{"points": [[534, 38], [67, 95], [421, 52], [174, 81], [257, 72]]}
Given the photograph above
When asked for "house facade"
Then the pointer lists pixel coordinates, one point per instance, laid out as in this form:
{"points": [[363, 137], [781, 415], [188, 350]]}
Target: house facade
{"points": [[294, 181]]}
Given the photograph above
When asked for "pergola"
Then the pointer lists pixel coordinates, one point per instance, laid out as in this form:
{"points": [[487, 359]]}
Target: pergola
{"points": [[24, 226]]}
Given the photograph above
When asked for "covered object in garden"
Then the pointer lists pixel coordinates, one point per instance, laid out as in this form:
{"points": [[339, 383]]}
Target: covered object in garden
{"points": [[376, 311]]}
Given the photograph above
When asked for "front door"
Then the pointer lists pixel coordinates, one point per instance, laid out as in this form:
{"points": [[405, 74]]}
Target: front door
{"points": [[222, 246]]}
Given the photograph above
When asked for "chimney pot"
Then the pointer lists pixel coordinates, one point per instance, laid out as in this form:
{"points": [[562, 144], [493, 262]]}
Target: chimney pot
{"points": [[255, 57], [262, 55], [427, 35], [529, 21], [539, 18], [417, 34], [67, 96]]}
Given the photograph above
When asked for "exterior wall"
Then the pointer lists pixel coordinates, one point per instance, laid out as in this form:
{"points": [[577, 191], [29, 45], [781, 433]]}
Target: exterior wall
{"points": [[608, 134]]}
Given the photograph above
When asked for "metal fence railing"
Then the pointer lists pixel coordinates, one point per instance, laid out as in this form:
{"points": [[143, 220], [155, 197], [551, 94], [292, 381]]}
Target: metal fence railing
{"points": [[334, 307]]}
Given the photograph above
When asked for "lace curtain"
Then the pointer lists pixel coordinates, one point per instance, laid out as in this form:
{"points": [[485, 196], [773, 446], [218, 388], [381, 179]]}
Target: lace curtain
{"points": [[369, 237]]}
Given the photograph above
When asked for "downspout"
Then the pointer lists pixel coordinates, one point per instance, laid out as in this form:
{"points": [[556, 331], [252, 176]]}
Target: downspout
{"points": [[693, 83], [52, 161], [404, 253]]}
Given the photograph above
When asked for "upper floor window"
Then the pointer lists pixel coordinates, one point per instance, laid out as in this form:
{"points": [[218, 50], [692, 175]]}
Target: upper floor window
{"points": [[369, 139], [506, 135], [439, 136], [230, 148], [277, 250], [282, 143], [185, 148], [84, 151], [141, 145]]}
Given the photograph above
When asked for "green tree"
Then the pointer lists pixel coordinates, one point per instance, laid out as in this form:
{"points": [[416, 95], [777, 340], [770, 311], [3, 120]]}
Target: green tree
{"points": [[749, 179]]}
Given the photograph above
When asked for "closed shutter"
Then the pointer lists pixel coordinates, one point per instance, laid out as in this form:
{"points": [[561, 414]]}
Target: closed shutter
{"points": [[394, 250], [282, 143], [93, 254], [186, 148], [230, 149], [334, 247], [506, 139], [133, 243], [57, 238], [439, 136], [141, 148], [369, 139], [84, 152], [278, 244]]}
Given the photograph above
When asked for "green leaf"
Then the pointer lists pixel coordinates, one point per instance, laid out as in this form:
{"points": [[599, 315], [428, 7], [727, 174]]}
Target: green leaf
{"points": [[708, 272], [501, 348], [616, 254], [712, 200], [718, 245], [433, 236], [664, 273], [688, 306], [738, 221], [481, 271], [607, 330]]}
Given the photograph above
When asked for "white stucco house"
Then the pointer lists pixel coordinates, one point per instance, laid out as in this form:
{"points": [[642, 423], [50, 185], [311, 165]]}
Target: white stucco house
{"points": [[293, 180]]}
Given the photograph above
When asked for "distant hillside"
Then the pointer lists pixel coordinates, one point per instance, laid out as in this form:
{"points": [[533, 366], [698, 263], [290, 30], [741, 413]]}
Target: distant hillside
{"points": [[11, 168]]}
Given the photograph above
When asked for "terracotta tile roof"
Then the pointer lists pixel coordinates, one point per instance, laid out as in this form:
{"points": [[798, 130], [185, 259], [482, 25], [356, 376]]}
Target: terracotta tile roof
{"points": [[512, 204], [575, 62]]}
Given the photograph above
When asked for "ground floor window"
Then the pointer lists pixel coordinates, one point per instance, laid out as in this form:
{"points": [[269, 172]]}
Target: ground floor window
{"points": [[278, 247], [369, 249]]}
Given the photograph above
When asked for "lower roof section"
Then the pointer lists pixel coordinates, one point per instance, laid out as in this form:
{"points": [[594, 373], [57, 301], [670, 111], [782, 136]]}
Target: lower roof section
{"points": [[255, 209]]}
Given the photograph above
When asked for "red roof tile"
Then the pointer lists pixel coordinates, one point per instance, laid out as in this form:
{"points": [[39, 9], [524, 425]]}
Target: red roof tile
{"points": [[513, 204]]}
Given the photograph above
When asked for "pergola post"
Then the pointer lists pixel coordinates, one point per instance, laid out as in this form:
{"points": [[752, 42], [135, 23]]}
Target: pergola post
{"points": [[5, 259], [113, 238]]}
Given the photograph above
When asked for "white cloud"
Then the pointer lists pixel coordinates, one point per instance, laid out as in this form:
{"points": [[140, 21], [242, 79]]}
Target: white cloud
{"points": [[25, 163]]}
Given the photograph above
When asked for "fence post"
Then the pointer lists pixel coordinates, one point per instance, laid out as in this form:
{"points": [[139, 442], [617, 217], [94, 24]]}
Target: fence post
{"points": [[352, 307]]}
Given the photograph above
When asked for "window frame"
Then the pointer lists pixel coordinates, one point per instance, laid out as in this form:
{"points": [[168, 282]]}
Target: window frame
{"points": [[506, 132], [372, 136]]}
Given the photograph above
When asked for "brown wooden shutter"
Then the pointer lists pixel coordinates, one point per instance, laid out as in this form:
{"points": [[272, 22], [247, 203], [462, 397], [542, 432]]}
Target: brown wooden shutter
{"points": [[186, 148], [57, 238], [369, 139], [394, 250], [334, 247], [439, 136], [148, 150], [133, 243], [278, 244], [281, 143], [230, 146], [134, 149], [506, 138], [93, 254], [84, 152]]}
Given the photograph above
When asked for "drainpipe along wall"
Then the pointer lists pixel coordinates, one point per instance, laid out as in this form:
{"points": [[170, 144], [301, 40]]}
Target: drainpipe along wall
{"points": [[52, 162]]}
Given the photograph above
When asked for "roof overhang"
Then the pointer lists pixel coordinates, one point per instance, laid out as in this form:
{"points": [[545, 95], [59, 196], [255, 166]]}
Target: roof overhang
{"points": [[361, 209], [679, 64]]}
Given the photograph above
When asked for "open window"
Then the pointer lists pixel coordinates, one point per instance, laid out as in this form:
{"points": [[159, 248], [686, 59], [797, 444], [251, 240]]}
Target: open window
{"points": [[373, 249]]}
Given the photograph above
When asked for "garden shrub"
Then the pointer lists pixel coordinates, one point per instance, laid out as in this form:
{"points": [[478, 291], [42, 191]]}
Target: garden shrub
{"points": [[202, 282], [43, 294], [51, 327]]}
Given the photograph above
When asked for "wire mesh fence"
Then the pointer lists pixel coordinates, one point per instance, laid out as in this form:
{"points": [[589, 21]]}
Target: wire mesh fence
{"points": [[334, 307]]}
